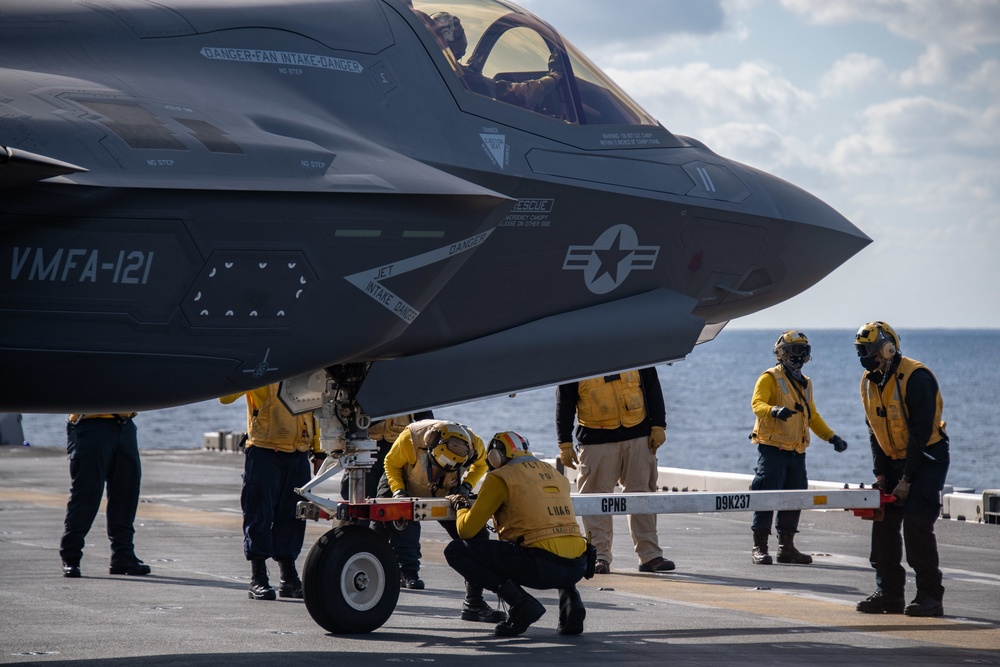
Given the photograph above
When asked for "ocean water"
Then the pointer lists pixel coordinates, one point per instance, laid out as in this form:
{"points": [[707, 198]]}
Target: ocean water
{"points": [[708, 407]]}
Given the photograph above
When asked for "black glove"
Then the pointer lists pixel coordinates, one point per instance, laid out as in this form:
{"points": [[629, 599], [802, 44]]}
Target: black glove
{"points": [[399, 494], [839, 444], [464, 489], [781, 413]]}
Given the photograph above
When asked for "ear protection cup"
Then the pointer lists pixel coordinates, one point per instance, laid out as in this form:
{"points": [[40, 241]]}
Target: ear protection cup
{"points": [[888, 350], [495, 458], [503, 447]]}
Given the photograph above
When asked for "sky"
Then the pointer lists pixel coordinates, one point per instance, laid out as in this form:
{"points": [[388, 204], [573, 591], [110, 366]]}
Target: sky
{"points": [[888, 110]]}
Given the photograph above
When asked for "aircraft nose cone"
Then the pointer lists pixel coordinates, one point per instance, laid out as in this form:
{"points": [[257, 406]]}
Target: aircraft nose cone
{"points": [[816, 238], [795, 239]]}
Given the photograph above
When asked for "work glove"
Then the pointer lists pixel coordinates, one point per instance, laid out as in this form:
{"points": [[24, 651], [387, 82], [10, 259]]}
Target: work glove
{"points": [[463, 489], [781, 413], [839, 444], [902, 492], [399, 494], [657, 436], [568, 455], [458, 501]]}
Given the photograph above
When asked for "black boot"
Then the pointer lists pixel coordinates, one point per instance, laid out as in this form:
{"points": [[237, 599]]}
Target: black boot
{"points": [[571, 611], [409, 579], [759, 553], [475, 607], [524, 610], [787, 553], [291, 585], [260, 587], [128, 563]]}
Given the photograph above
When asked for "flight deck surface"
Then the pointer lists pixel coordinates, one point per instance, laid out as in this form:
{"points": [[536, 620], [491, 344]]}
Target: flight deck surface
{"points": [[716, 608]]}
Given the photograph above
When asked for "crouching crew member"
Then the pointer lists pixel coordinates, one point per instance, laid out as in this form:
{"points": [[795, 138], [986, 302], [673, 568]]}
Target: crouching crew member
{"points": [[428, 460], [540, 544]]}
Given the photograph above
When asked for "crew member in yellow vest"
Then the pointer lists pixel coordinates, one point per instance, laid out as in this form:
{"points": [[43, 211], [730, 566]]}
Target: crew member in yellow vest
{"points": [[540, 544], [278, 448], [432, 458], [103, 451], [621, 423], [783, 403], [903, 408], [383, 432]]}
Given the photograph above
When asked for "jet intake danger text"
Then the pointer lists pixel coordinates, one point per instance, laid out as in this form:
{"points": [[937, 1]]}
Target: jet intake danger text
{"points": [[127, 267]]}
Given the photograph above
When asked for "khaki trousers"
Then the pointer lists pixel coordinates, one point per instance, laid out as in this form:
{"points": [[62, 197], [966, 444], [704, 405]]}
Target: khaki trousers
{"points": [[632, 464]]}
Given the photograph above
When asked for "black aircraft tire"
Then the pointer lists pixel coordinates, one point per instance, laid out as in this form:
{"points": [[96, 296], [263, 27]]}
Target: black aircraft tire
{"points": [[350, 580]]}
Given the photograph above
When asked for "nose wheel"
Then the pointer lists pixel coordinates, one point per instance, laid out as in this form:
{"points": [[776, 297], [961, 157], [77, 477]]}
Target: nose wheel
{"points": [[350, 580]]}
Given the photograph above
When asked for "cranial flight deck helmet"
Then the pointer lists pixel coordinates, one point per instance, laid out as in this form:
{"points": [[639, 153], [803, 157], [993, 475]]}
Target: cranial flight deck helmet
{"points": [[792, 349], [449, 28], [454, 446], [877, 345], [503, 447]]}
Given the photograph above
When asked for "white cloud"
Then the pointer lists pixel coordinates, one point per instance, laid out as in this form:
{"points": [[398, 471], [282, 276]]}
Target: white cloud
{"points": [[934, 67], [853, 71], [962, 24]]}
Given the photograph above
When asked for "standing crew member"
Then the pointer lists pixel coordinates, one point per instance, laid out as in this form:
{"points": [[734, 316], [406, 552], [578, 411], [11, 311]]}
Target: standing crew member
{"points": [[910, 451], [103, 450], [428, 460], [622, 423], [540, 545], [279, 445], [783, 403]]}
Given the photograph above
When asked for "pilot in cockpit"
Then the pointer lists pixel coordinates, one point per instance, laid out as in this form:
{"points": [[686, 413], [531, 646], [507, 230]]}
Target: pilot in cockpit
{"points": [[527, 94]]}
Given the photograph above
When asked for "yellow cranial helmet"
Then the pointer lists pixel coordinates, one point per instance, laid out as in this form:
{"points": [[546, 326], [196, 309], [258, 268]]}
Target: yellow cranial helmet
{"points": [[454, 446], [793, 349], [876, 340], [503, 447]]}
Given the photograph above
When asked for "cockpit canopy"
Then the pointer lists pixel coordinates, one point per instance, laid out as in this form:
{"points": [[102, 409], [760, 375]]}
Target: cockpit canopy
{"points": [[500, 51]]}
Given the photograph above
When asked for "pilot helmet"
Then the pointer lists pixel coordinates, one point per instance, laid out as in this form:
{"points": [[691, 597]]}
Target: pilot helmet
{"points": [[449, 28], [792, 349], [503, 447], [877, 344], [453, 448]]}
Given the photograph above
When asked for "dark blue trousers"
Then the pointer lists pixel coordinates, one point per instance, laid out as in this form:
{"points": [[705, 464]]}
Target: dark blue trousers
{"points": [[102, 453], [406, 543], [489, 563], [778, 470], [916, 518], [268, 499]]}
